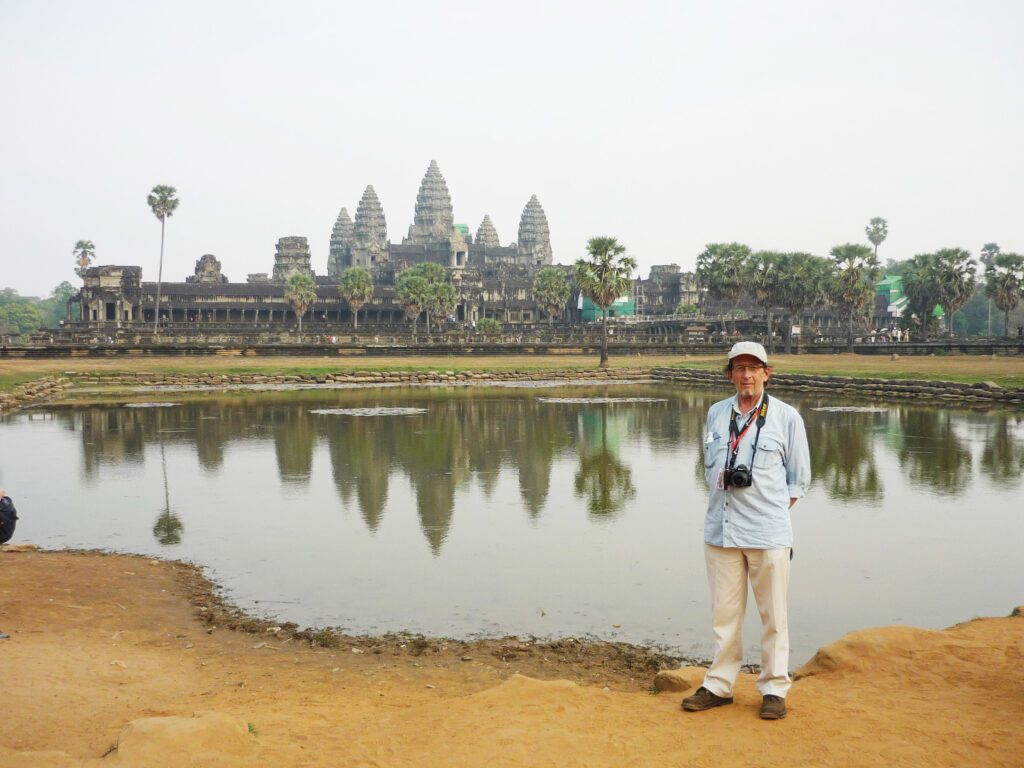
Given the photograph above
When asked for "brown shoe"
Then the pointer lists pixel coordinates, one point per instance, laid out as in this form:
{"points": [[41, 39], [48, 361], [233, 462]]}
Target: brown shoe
{"points": [[704, 699], [773, 707]]}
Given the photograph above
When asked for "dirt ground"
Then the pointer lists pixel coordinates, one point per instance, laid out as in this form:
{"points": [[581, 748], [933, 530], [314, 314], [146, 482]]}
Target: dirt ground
{"points": [[127, 661]]}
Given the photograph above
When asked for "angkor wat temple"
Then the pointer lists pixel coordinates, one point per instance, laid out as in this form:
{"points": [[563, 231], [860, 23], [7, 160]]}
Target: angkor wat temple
{"points": [[493, 280]]}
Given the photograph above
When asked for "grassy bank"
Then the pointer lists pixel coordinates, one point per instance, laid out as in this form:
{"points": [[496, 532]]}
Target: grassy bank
{"points": [[1005, 371]]}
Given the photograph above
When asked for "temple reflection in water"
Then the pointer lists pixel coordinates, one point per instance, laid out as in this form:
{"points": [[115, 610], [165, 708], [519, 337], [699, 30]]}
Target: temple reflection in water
{"points": [[472, 437]]}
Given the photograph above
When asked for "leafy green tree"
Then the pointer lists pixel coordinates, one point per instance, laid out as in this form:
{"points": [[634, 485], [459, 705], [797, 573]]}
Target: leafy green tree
{"points": [[84, 252], [413, 292], [853, 287], [356, 287], [722, 269], [163, 203], [551, 290], [1004, 282], [22, 316], [687, 309], [877, 230], [603, 277], [300, 292], [53, 309], [956, 273], [489, 326]]}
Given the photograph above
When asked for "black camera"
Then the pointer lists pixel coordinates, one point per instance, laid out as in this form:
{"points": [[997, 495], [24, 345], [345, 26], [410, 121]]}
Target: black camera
{"points": [[738, 477]]}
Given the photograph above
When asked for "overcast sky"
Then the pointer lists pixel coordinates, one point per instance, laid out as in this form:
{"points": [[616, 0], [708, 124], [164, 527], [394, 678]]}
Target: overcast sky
{"points": [[784, 125]]}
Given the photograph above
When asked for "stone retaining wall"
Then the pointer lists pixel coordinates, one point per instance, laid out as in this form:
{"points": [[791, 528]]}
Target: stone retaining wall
{"points": [[945, 391], [33, 391], [352, 377]]}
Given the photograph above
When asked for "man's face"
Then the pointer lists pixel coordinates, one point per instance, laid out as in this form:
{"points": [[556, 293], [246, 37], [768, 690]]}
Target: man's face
{"points": [[749, 375]]}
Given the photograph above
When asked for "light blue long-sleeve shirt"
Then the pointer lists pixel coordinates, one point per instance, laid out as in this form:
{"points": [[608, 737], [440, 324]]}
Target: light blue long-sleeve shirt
{"points": [[756, 517]]}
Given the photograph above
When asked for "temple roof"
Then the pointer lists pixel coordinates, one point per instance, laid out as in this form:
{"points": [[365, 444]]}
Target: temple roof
{"points": [[370, 225], [534, 237], [433, 217], [486, 234]]}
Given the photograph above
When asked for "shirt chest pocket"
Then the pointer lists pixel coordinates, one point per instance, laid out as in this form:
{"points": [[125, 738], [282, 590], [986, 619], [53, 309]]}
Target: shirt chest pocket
{"points": [[712, 448], [769, 454]]}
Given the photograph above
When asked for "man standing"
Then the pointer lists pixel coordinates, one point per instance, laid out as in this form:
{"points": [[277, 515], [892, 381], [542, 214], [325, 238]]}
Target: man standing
{"points": [[756, 465]]}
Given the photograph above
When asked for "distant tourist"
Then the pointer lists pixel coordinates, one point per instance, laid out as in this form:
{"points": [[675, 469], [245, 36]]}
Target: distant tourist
{"points": [[757, 465]]}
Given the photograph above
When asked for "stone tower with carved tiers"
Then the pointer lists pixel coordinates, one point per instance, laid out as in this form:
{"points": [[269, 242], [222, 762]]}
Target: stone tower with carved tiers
{"points": [[342, 237], [369, 232], [292, 255], [433, 220], [486, 234], [534, 238]]}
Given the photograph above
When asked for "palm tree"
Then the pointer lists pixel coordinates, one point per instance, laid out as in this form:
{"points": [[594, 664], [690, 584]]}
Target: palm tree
{"points": [[551, 290], [300, 292], [956, 279], [722, 269], [356, 287], [877, 230], [1004, 283], [84, 252], [801, 282], [163, 203], [442, 299], [922, 289], [854, 282], [765, 285], [603, 278]]}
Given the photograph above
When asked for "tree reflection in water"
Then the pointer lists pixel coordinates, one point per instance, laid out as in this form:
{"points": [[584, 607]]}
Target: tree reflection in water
{"points": [[604, 481], [842, 453], [930, 453], [472, 436], [1003, 456], [168, 526]]}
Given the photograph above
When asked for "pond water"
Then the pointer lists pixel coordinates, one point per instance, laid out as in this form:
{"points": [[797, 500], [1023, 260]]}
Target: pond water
{"points": [[529, 511]]}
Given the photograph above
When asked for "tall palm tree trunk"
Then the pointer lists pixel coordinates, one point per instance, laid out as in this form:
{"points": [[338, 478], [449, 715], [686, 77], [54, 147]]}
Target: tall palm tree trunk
{"points": [[604, 338], [771, 334], [159, 279], [849, 336], [1006, 323]]}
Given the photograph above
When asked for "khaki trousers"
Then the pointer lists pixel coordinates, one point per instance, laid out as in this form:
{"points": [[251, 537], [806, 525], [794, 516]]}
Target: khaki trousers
{"points": [[768, 573]]}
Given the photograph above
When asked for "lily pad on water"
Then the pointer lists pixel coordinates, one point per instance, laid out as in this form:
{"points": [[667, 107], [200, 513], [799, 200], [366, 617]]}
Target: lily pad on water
{"points": [[370, 411]]}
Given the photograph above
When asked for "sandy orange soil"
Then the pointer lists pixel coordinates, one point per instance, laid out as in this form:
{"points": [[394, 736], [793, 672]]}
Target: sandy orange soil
{"points": [[118, 661]]}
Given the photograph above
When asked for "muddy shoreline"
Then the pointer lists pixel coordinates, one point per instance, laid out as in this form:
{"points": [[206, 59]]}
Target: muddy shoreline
{"points": [[584, 660]]}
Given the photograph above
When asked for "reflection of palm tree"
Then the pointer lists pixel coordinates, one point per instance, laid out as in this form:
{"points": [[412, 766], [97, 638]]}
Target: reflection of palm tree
{"points": [[1003, 457], [602, 478], [843, 457], [930, 453], [168, 526]]}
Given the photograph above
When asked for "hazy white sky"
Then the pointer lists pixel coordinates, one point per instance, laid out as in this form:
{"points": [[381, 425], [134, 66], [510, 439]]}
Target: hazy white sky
{"points": [[785, 125]]}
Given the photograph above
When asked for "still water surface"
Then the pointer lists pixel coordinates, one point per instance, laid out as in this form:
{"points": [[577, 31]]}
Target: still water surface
{"points": [[492, 511]]}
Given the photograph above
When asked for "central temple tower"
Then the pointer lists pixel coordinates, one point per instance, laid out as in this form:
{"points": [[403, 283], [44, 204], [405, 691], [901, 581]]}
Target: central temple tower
{"points": [[433, 220]]}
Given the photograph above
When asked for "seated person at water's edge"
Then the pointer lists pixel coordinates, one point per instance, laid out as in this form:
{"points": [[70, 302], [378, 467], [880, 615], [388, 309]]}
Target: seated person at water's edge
{"points": [[757, 465]]}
